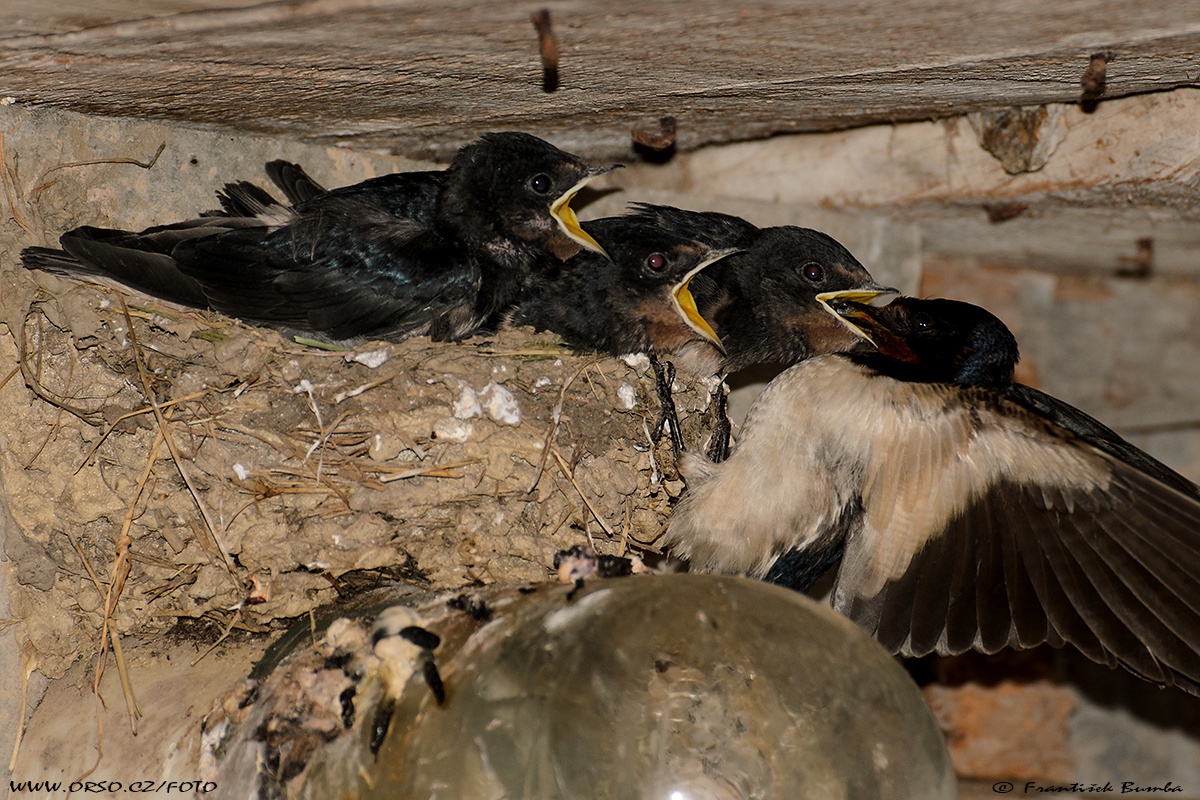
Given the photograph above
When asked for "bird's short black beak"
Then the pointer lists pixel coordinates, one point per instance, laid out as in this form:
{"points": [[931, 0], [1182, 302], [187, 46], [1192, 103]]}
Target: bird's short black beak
{"points": [[859, 315], [564, 215]]}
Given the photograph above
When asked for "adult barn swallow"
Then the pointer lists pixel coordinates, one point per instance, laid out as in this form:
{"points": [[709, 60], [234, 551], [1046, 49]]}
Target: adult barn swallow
{"points": [[438, 253], [967, 511], [762, 302], [637, 302]]}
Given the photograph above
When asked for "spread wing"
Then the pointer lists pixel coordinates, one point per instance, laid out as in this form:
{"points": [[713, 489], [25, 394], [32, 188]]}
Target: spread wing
{"points": [[1096, 434], [1029, 534]]}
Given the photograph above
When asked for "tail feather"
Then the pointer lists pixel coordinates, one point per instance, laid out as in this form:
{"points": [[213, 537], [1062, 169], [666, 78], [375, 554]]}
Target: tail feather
{"points": [[293, 181], [141, 262], [245, 199], [57, 262]]}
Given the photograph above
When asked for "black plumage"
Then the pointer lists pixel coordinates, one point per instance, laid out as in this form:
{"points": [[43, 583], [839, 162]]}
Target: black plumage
{"points": [[637, 302], [247, 199], [439, 253], [968, 511], [762, 301], [296, 184]]}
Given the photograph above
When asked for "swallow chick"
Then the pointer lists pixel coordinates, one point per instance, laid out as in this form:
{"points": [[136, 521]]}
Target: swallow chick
{"points": [[439, 253], [967, 511], [637, 302]]}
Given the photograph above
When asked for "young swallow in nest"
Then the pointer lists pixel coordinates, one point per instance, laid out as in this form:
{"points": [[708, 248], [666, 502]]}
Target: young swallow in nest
{"points": [[438, 253], [967, 511], [639, 302]]}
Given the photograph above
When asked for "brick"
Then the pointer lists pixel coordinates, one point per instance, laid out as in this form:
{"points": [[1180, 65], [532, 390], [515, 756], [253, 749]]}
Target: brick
{"points": [[1010, 730]]}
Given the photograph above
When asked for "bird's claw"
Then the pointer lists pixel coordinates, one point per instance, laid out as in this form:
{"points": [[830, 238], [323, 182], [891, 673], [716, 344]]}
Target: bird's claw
{"points": [[664, 379], [718, 443]]}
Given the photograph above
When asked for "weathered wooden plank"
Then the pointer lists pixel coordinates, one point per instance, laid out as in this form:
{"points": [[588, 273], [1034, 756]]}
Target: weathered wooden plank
{"points": [[423, 76]]}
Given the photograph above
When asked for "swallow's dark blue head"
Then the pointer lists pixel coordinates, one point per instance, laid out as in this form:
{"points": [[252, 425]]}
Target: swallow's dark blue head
{"points": [[936, 341]]}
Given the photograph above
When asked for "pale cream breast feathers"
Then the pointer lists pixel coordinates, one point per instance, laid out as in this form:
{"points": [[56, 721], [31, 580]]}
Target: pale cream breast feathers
{"points": [[828, 429]]}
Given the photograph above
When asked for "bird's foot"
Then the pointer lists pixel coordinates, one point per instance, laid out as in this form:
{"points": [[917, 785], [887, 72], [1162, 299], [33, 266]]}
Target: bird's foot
{"points": [[718, 443], [664, 379]]}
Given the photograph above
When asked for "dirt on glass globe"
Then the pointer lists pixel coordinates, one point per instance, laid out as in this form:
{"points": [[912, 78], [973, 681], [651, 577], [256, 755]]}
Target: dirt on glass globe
{"points": [[679, 687]]}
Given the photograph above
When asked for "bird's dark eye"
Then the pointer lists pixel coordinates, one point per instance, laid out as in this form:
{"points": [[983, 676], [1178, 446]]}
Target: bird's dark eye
{"points": [[656, 261], [813, 272], [922, 321], [540, 183]]}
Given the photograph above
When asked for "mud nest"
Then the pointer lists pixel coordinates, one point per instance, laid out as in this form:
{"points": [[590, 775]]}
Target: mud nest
{"points": [[194, 468]]}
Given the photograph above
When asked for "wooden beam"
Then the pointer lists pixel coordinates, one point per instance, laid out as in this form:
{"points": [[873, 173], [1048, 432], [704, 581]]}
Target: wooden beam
{"points": [[421, 77]]}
